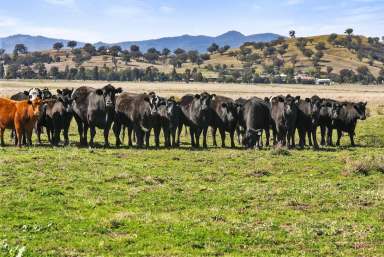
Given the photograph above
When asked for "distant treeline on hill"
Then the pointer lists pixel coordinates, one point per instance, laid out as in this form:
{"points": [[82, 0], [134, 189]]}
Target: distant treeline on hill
{"points": [[279, 61]]}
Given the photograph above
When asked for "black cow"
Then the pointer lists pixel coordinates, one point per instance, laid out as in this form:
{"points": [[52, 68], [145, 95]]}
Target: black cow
{"points": [[224, 117], [239, 129], [170, 114], [307, 120], [325, 120], [94, 108], [254, 117], [284, 114], [345, 116], [57, 116], [138, 113], [196, 114]]}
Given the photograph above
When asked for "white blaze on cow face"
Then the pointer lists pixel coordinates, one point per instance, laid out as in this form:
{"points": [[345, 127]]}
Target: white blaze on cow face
{"points": [[34, 93]]}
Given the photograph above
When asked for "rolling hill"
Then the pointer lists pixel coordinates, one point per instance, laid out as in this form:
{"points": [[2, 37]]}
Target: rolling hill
{"points": [[187, 42]]}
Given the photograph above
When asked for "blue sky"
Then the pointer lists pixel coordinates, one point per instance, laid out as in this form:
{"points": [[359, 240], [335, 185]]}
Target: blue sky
{"points": [[120, 20]]}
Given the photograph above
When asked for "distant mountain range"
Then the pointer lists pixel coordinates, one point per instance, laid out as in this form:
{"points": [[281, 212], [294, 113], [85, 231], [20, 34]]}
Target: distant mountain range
{"points": [[187, 42]]}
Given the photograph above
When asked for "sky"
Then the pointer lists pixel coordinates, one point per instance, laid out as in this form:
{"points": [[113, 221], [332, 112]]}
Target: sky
{"points": [[125, 20]]}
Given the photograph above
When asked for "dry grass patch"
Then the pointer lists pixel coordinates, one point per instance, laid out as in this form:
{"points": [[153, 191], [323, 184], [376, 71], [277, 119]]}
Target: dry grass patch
{"points": [[363, 166]]}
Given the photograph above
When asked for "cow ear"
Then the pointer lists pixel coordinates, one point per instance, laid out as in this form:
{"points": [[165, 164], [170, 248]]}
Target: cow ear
{"points": [[147, 99], [213, 96], [224, 105], [99, 91], [118, 90], [59, 91], [266, 99], [307, 100], [26, 93], [197, 96], [172, 98], [365, 103]]}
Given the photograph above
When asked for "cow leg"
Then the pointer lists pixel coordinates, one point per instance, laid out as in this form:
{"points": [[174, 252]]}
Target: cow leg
{"points": [[173, 135], [147, 136], [339, 134], [38, 134], [116, 131], [322, 132], [213, 131], [85, 134], [192, 134], [301, 138], [222, 135], [232, 135], [92, 130], [329, 136], [309, 134], [66, 138], [80, 129], [156, 131], [167, 136], [28, 133], [197, 136], [2, 136], [351, 135], [314, 137], [179, 129], [19, 135], [130, 129], [267, 136], [205, 130]]}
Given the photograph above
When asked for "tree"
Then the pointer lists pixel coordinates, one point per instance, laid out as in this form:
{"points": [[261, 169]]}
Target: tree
{"points": [[114, 50], [213, 48], [187, 75], [332, 38], [54, 72], [349, 32], [152, 55], [2, 70], [193, 56], [292, 34], [165, 52], [135, 48], [90, 49], [320, 46], [95, 73], [41, 70], [126, 57], [20, 49], [329, 69], [72, 44], [179, 51], [81, 74], [57, 46], [224, 49]]}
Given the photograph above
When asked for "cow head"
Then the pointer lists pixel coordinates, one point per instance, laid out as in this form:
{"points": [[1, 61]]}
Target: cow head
{"points": [[46, 94], [230, 111], [34, 93], [109, 94], [36, 104], [64, 96], [315, 108], [290, 104], [203, 101], [325, 108], [337, 107], [251, 137], [360, 108]]}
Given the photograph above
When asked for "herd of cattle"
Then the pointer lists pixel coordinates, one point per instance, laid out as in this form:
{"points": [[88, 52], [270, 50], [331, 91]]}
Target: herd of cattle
{"points": [[110, 107]]}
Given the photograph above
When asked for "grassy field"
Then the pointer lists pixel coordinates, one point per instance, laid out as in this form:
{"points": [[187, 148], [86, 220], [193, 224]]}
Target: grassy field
{"points": [[217, 202]]}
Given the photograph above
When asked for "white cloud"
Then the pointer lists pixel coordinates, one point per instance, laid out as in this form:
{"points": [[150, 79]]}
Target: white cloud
{"points": [[7, 22], [293, 2], [167, 9], [68, 3]]}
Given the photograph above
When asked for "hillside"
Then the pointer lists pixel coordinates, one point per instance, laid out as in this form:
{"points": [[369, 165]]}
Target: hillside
{"points": [[343, 59], [187, 42]]}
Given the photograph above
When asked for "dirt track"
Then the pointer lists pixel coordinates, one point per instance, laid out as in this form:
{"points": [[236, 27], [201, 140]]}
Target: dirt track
{"points": [[373, 94]]}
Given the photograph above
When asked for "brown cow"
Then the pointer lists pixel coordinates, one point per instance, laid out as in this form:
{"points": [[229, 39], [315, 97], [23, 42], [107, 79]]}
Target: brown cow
{"points": [[18, 115]]}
